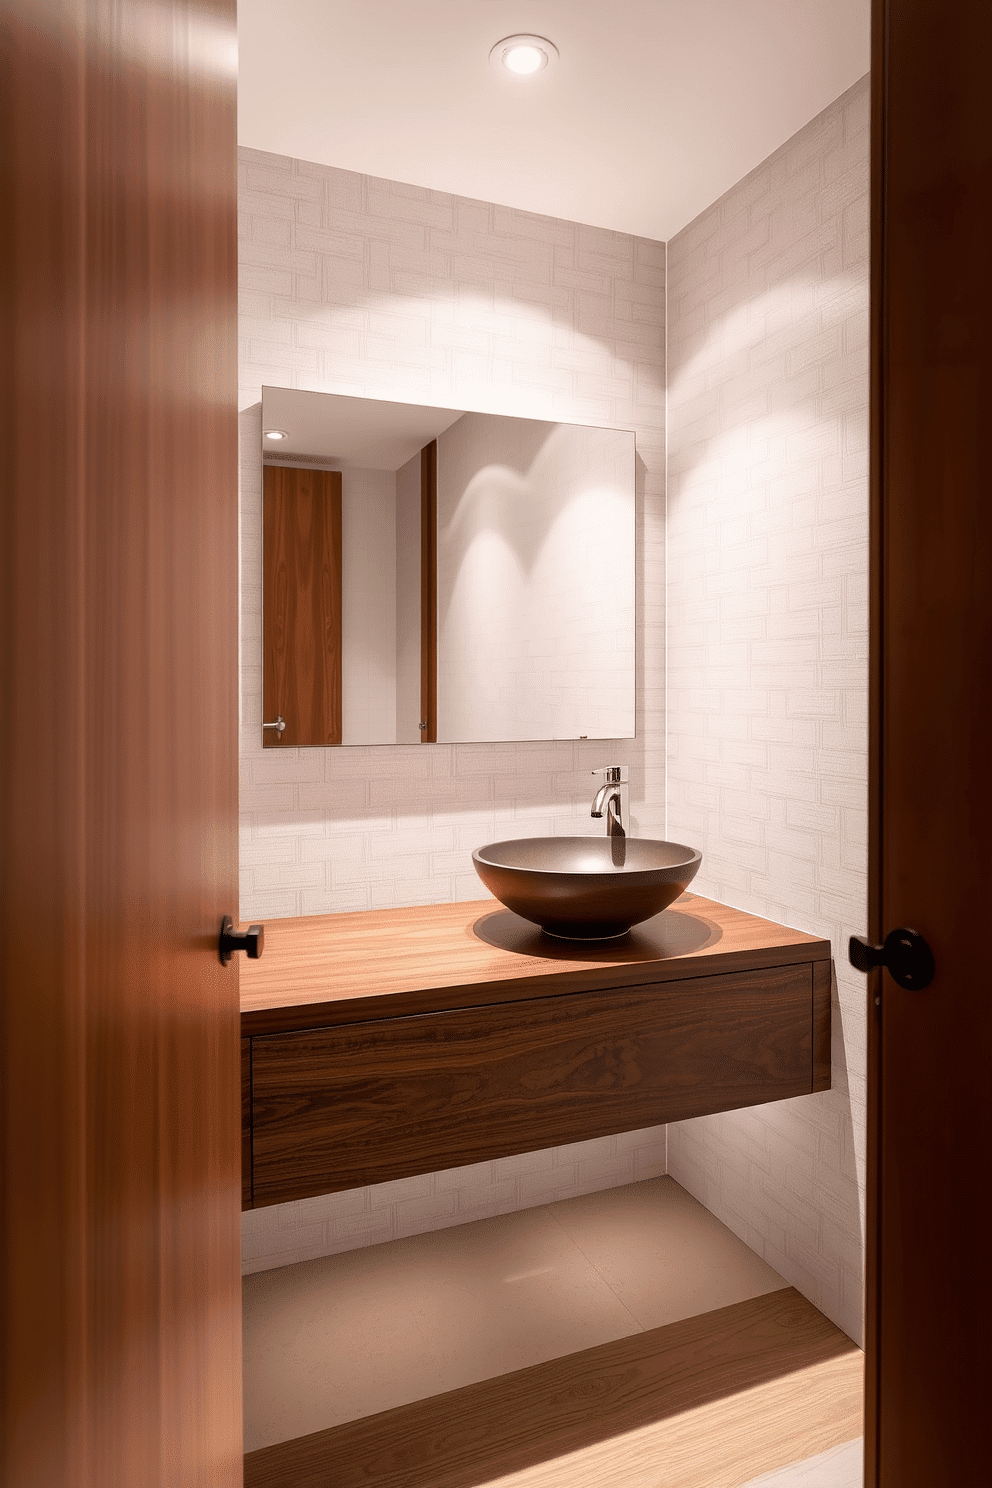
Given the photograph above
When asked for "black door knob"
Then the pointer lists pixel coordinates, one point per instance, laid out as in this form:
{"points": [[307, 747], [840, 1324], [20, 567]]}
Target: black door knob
{"points": [[905, 954], [251, 940]]}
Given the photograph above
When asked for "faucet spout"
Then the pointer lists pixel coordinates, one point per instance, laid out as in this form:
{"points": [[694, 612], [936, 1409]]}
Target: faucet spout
{"points": [[608, 799], [612, 801]]}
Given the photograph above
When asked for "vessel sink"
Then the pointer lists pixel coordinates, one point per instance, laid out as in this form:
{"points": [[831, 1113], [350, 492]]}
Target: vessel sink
{"points": [[586, 888]]}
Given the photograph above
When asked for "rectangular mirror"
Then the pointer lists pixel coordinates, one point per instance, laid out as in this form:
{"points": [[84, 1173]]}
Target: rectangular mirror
{"points": [[432, 575]]}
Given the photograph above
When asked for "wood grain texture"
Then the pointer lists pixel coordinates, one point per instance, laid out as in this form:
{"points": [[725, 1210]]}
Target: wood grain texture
{"points": [[712, 1401], [929, 1323], [341, 1108], [428, 592], [822, 979], [119, 1275], [875, 555], [246, 1123], [323, 970], [301, 606]]}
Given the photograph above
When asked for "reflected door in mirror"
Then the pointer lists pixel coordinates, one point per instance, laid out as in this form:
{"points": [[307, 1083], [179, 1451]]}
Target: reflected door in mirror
{"points": [[302, 606], [487, 571]]}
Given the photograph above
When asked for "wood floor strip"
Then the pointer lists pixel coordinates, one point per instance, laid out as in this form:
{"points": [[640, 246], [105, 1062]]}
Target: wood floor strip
{"points": [[705, 1403]]}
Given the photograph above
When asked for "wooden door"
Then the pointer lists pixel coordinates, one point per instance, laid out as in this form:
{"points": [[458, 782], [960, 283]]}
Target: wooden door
{"points": [[119, 1210], [301, 606], [930, 1055]]}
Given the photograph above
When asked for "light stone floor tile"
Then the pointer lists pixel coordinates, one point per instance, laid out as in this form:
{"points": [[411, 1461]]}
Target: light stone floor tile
{"points": [[664, 1255], [840, 1467], [328, 1341], [342, 1337], [507, 1292]]}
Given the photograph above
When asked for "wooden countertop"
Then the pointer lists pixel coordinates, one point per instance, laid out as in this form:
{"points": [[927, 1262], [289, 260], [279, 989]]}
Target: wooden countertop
{"points": [[322, 970]]}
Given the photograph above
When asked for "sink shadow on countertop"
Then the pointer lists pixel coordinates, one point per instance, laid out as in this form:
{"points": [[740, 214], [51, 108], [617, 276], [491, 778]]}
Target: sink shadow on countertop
{"points": [[675, 932]]}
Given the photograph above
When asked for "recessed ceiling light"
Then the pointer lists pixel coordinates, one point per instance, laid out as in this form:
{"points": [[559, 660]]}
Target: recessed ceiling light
{"points": [[523, 55], [276, 434]]}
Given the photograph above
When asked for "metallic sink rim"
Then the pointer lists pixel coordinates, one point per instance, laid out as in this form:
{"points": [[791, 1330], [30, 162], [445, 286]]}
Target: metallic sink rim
{"points": [[601, 903], [692, 857]]}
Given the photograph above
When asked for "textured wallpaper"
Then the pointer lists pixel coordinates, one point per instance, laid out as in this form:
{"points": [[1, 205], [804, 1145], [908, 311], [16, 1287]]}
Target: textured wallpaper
{"points": [[768, 650]]}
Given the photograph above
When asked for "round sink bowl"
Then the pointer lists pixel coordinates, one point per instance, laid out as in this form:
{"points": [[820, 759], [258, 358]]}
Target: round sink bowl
{"points": [[586, 888]]}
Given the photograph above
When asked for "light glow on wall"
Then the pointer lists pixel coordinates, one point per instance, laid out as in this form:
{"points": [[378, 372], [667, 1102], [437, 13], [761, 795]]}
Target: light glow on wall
{"points": [[787, 330]]}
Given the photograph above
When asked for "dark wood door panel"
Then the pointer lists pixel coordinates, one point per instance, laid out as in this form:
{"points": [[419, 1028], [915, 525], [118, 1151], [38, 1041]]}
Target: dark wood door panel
{"points": [[338, 1108], [301, 606], [929, 1302]]}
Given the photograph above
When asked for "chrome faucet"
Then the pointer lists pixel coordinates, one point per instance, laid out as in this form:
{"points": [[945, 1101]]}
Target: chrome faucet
{"points": [[612, 799]]}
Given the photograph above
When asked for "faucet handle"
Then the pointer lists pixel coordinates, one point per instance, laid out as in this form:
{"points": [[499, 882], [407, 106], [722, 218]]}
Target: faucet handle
{"points": [[613, 774]]}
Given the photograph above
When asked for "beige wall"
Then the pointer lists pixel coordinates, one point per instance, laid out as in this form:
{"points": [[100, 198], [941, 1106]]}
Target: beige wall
{"points": [[768, 650]]}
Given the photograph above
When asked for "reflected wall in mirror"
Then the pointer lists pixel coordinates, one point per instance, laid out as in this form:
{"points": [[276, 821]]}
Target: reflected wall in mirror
{"points": [[476, 583]]}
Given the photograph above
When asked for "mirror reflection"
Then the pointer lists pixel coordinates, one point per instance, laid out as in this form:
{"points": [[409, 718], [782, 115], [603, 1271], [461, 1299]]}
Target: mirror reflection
{"points": [[437, 575]]}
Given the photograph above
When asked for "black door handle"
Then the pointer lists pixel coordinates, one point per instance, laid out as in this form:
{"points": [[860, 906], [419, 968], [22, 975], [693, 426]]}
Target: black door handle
{"points": [[905, 954], [251, 940]]}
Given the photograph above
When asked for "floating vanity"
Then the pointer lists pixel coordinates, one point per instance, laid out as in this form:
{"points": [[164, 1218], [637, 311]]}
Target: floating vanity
{"points": [[382, 1044]]}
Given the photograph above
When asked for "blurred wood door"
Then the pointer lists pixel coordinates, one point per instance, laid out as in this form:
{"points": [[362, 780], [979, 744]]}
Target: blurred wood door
{"points": [[120, 1203], [930, 1052], [301, 606]]}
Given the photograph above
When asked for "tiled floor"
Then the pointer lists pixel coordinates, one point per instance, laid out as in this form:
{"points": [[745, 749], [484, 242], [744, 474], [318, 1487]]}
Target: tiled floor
{"points": [[344, 1337]]}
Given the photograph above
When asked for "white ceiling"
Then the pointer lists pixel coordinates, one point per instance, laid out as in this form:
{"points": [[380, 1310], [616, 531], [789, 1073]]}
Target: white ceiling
{"points": [[351, 433], [655, 109]]}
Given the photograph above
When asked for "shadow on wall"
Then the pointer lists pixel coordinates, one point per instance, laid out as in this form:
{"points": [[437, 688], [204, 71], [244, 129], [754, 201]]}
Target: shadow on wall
{"points": [[535, 580]]}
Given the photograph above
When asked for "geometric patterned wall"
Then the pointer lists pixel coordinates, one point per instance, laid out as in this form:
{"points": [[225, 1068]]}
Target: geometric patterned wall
{"points": [[768, 650]]}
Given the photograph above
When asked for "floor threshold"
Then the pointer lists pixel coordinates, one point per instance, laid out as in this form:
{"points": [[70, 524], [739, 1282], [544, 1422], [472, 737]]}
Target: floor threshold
{"points": [[712, 1401]]}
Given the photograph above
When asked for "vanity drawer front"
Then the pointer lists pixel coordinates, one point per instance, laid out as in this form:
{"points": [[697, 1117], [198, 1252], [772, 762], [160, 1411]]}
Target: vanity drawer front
{"points": [[338, 1108], [246, 1123]]}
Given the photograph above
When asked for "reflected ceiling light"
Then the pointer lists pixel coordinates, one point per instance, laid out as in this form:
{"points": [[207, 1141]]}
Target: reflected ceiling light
{"points": [[523, 55], [276, 434]]}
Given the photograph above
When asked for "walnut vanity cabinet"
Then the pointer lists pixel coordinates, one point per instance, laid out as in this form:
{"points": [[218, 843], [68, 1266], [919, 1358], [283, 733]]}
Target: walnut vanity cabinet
{"points": [[381, 1045], [246, 1123]]}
